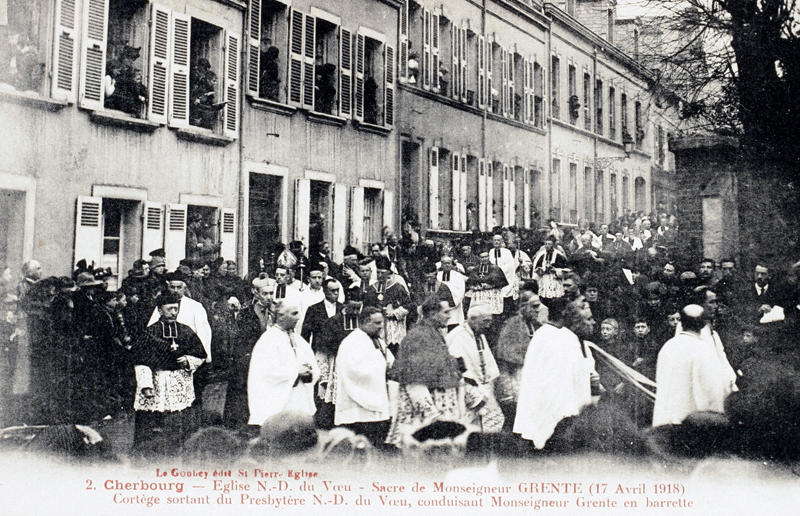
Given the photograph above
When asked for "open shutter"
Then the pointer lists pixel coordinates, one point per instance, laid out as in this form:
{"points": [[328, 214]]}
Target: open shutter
{"points": [[426, 51], [175, 235], [455, 82], [388, 209], [435, 52], [512, 197], [482, 195], [433, 188], [512, 110], [253, 46], [481, 72], [346, 77], [526, 200], [359, 89], [296, 58], [89, 230], [357, 216], [179, 70], [463, 193], [152, 228], [93, 54], [388, 112], [526, 90], [403, 68], [302, 200], [489, 195], [463, 62], [159, 64], [228, 234], [232, 52], [309, 47], [339, 221], [455, 161], [504, 72], [64, 52], [489, 66]]}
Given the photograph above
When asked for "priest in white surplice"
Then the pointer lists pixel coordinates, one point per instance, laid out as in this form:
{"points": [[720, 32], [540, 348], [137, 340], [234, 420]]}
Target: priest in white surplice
{"points": [[362, 402], [283, 369], [503, 258], [457, 283]]}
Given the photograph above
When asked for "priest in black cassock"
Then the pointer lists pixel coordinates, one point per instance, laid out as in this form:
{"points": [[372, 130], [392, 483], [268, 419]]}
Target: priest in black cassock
{"points": [[165, 358]]}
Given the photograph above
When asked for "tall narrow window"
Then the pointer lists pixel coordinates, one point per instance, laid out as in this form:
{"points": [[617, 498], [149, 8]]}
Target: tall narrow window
{"points": [[574, 100], [573, 193], [661, 152], [637, 110], [22, 31], [538, 95], [599, 198], [555, 84], [125, 57], [623, 118], [587, 99], [555, 190], [326, 67], [612, 113], [205, 77], [588, 197], [626, 188], [598, 106], [612, 190], [269, 35]]}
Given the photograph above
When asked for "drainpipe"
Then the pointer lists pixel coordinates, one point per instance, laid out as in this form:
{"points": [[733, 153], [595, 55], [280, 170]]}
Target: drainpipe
{"points": [[488, 93], [606, 205]]}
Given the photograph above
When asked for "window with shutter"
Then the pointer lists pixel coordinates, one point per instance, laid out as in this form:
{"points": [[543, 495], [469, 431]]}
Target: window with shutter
{"points": [[491, 98], [160, 37], [403, 57], [127, 33], [309, 46], [463, 194], [426, 51], [65, 54], [326, 61], [490, 200], [253, 46], [296, 58], [555, 86], [152, 228], [358, 97], [507, 219], [504, 74], [587, 100], [175, 235], [435, 52], [455, 67], [554, 189], [389, 70], [481, 72], [538, 95], [268, 46], [526, 198], [462, 47], [346, 76], [228, 234], [232, 52], [93, 56], [526, 81], [179, 73], [88, 231], [456, 178], [433, 188], [482, 210], [357, 216]]}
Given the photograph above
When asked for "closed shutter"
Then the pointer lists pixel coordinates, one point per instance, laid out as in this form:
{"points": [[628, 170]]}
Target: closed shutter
{"points": [[435, 52], [302, 201], [93, 54], [232, 52], [64, 52], [454, 66], [309, 47], [296, 58], [388, 111], [388, 209], [526, 90], [339, 221], [346, 77], [359, 83], [426, 51], [482, 210], [455, 161], [175, 235], [433, 188], [403, 68], [481, 72], [253, 46], [512, 197], [357, 217], [504, 75], [179, 70], [228, 234], [463, 61], [463, 193], [489, 66], [89, 231], [152, 228], [159, 64], [526, 199]]}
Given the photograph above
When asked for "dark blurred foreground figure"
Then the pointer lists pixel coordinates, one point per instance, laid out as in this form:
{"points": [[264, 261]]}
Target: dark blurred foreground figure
{"points": [[68, 442]]}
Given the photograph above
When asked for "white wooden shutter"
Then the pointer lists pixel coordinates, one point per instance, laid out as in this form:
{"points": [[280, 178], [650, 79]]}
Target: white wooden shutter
{"points": [[93, 54], [302, 201], [309, 48], [426, 51], [228, 234], [339, 221], [64, 51], [455, 161], [481, 72], [388, 209], [357, 216], [388, 106], [489, 66], [455, 69], [403, 68], [89, 230], [433, 188], [504, 75], [253, 46], [511, 88], [527, 198], [346, 75], [463, 62], [159, 64], [152, 227], [512, 196], [506, 197], [295, 78], [526, 90], [435, 52], [232, 52], [482, 195], [463, 193], [175, 235], [489, 195], [179, 70], [359, 88]]}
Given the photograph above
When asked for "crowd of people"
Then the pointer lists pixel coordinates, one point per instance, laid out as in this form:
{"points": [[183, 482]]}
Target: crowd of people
{"points": [[513, 333]]}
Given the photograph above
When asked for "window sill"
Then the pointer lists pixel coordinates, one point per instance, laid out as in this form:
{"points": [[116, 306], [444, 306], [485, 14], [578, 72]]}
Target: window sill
{"points": [[371, 128], [29, 98], [206, 136], [114, 118], [447, 232], [271, 106], [325, 118], [515, 123]]}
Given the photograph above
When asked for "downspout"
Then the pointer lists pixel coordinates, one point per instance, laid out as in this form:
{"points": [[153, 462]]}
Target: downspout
{"points": [[488, 93]]}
